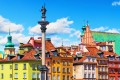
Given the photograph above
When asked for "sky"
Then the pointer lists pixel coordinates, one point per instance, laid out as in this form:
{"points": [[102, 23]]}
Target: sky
{"points": [[66, 19]]}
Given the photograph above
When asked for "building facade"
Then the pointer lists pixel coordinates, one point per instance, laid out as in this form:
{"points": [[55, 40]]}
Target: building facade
{"points": [[20, 67]]}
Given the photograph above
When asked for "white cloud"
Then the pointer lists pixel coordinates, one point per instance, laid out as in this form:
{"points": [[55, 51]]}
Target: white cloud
{"points": [[76, 33], [113, 30], [116, 3], [5, 24], [100, 28], [60, 26], [57, 41], [106, 29]]}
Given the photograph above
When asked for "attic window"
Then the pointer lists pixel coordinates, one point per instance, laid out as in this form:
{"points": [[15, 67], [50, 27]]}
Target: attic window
{"points": [[54, 53], [18, 57]]}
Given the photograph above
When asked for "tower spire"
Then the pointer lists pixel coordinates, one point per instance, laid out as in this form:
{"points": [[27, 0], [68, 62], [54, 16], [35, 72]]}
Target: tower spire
{"points": [[9, 30], [62, 42]]}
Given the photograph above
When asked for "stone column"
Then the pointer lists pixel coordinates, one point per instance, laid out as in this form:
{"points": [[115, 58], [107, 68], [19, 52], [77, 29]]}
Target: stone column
{"points": [[43, 23]]}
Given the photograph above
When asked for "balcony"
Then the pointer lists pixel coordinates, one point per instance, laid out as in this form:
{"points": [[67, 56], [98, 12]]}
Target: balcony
{"points": [[114, 67]]}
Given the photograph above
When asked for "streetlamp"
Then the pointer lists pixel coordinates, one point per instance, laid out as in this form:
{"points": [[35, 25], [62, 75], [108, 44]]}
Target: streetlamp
{"points": [[43, 23]]}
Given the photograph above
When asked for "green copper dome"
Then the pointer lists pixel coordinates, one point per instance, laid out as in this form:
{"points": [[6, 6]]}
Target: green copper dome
{"points": [[83, 30], [9, 43]]}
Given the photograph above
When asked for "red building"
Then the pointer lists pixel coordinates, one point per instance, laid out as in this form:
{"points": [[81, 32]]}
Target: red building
{"points": [[114, 67]]}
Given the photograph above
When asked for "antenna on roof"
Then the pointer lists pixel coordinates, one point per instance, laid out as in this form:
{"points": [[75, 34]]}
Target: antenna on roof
{"points": [[62, 42]]}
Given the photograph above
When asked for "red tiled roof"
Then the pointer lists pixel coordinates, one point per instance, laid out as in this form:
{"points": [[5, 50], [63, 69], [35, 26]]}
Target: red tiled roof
{"points": [[101, 43], [93, 50], [27, 56], [106, 53], [82, 59], [27, 45], [49, 46], [37, 41]]}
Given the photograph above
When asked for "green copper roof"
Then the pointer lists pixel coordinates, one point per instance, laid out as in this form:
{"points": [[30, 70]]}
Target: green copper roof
{"points": [[83, 30], [104, 36], [9, 43]]}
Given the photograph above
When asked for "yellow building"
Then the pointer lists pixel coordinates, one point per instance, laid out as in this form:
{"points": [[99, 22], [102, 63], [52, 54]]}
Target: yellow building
{"points": [[62, 65], [20, 67]]}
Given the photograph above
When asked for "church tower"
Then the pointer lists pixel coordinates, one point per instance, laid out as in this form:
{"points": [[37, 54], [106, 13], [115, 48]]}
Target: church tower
{"points": [[9, 46]]}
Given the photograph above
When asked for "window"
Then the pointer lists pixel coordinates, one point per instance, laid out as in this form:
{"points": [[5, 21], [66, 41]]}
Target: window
{"points": [[112, 71], [85, 67], [48, 63], [64, 63], [89, 67], [58, 69], [16, 75], [118, 77], [119, 71], [92, 75], [2, 67], [63, 77], [24, 66], [58, 77], [38, 75], [10, 75], [68, 77], [88, 58], [54, 77], [88, 75], [93, 67], [68, 63], [102, 68], [112, 64], [68, 70], [103, 48], [33, 66], [38, 66], [33, 75], [54, 69], [118, 65], [2, 76], [18, 57], [99, 68], [10, 66], [111, 58], [93, 60], [63, 70], [24, 75], [16, 66], [58, 61], [85, 75], [53, 61]]}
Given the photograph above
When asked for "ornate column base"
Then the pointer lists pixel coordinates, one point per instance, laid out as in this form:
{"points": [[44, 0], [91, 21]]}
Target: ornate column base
{"points": [[43, 72]]}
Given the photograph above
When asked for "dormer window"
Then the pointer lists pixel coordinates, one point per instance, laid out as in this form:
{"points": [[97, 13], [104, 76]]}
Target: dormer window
{"points": [[47, 55], [18, 57], [101, 55], [8, 58]]}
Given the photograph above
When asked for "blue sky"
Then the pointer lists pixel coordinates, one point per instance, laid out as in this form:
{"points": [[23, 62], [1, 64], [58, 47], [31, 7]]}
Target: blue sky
{"points": [[66, 17]]}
